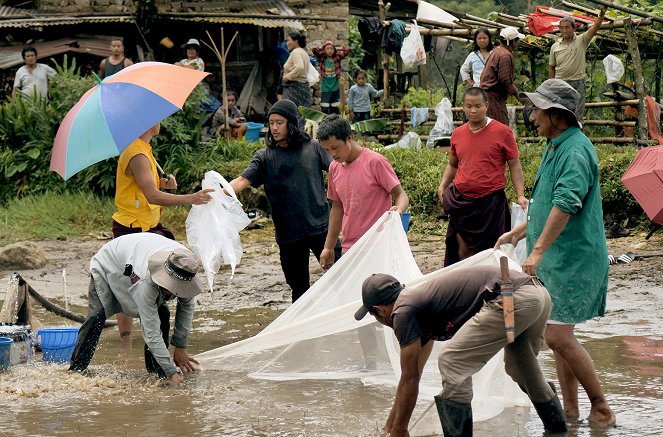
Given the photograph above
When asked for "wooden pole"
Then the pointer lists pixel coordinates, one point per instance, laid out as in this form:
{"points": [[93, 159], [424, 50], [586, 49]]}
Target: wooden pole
{"points": [[383, 58], [222, 55], [627, 10], [639, 80]]}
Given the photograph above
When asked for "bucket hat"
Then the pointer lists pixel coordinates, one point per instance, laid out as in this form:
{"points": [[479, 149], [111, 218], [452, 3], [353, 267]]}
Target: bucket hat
{"points": [[510, 33], [555, 93], [377, 289], [191, 42], [176, 272]]}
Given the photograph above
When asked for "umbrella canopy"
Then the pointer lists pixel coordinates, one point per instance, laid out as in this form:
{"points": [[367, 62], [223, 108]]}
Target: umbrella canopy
{"points": [[112, 114], [644, 179]]}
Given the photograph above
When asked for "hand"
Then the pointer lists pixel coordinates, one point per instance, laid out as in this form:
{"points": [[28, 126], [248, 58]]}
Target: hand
{"points": [[201, 197], [440, 194], [532, 263], [184, 361], [602, 11], [176, 378], [506, 238], [326, 259], [395, 208], [168, 183], [523, 202]]}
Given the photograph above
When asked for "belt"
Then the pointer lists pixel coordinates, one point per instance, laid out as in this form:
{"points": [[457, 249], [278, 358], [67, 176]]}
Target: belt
{"points": [[537, 282], [490, 294]]}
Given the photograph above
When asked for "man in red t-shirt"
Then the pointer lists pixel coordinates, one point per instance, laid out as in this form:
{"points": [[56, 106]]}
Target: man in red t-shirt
{"points": [[472, 186]]}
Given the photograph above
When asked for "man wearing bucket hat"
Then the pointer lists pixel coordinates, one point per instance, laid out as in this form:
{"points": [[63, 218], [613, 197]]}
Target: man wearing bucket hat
{"points": [[192, 60], [566, 241], [135, 274], [464, 307], [498, 76]]}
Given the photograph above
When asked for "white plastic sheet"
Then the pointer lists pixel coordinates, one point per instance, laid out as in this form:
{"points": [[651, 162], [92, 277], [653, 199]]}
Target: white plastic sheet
{"points": [[312, 76], [212, 229], [412, 51], [519, 252], [444, 125], [318, 338]]}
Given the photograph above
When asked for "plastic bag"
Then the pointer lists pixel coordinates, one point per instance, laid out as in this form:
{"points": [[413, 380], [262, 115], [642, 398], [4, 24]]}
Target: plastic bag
{"points": [[212, 229], [519, 252], [413, 52], [410, 140], [312, 76], [614, 69], [444, 125]]}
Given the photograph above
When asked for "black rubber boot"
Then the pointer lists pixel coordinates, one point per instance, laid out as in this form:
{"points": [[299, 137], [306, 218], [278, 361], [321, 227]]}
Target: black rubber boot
{"points": [[456, 418], [551, 414]]}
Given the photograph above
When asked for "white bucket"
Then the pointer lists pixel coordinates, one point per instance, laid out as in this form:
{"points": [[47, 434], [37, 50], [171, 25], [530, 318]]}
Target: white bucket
{"points": [[21, 349]]}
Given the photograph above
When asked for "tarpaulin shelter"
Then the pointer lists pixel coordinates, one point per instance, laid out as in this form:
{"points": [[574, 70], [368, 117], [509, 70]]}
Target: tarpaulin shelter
{"points": [[318, 338], [644, 179]]}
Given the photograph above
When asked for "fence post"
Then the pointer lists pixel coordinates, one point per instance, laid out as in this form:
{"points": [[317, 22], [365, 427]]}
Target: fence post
{"points": [[639, 80]]}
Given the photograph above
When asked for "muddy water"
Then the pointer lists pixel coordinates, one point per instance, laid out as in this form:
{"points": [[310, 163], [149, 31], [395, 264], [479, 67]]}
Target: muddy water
{"points": [[119, 398]]}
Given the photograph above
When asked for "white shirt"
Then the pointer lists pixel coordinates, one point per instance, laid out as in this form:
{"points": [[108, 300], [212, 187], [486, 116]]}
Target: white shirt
{"points": [[28, 82], [472, 67]]}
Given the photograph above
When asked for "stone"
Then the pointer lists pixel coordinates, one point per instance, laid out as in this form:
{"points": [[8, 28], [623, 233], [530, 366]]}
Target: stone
{"points": [[24, 255]]}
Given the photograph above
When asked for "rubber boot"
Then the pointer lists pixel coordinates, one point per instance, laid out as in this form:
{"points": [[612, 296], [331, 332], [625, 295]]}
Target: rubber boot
{"points": [[456, 418], [551, 414]]}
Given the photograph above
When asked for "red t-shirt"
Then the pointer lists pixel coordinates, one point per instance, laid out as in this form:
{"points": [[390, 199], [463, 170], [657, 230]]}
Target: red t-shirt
{"points": [[482, 158], [364, 188]]}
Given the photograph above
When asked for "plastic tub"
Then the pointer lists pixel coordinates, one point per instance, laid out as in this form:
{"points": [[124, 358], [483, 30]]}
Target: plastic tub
{"points": [[405, 218], [57, 343], [5, 352], [253, 131], [22, 345]]}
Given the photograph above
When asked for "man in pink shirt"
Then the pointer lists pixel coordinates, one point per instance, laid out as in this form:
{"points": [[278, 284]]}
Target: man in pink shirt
{"points": [[362, 186]]}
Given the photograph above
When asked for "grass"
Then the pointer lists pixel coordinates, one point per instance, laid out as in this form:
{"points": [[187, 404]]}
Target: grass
{"points": [[54, 216]]}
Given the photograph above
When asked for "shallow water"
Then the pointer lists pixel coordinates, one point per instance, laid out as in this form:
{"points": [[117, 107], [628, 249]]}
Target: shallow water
{"points": [[119, 398]]}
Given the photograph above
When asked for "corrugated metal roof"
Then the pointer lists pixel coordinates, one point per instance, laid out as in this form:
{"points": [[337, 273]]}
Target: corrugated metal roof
{"points": [[61, 20], [10, 12], [11, 56], [256, 8]]}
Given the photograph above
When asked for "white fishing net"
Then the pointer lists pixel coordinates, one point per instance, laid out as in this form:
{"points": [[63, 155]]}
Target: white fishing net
{"points": [[318, 338]]}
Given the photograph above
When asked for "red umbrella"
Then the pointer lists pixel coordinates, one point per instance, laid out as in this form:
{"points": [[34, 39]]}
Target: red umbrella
{"points": [[644, 179]]}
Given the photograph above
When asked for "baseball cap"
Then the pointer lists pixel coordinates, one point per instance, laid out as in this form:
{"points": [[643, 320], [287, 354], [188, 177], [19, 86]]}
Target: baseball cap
{"points": [[377, 289]]}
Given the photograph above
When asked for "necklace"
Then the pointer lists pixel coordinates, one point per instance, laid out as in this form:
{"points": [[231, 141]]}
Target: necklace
{"points": [[480, 127]]}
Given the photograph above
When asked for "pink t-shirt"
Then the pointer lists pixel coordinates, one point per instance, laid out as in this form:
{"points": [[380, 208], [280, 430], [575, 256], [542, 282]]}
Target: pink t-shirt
{"points": [[364, 188]]}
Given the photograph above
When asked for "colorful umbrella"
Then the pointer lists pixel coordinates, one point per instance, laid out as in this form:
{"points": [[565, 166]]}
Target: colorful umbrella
{"points": [[644, 179], [112, 114]]}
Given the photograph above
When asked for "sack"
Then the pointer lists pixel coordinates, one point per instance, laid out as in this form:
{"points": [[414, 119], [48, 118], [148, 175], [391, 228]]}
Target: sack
{"points": [[413, 52], [614, 69], [444, 125], [212, 229], [313, 76], [519, 252]]}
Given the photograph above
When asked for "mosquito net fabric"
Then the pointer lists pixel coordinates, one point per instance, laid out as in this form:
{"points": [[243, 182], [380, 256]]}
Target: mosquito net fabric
{"points": [[317, 337]]}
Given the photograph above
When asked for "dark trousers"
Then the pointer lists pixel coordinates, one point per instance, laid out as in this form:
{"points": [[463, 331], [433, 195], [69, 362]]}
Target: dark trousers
{"points": [[90, 331], [294, 261], [361, 116]]}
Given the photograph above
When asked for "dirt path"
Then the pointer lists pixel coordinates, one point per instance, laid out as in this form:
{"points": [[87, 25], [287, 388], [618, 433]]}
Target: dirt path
{"points": [[259, 281]]}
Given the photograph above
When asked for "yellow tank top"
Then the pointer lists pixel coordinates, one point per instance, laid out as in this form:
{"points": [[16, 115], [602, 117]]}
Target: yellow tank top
{"points": [[133, 209]]}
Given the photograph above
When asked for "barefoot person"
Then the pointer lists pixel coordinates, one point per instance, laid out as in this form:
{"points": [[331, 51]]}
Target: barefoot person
{"points": [[137, 274], [464, 307], [566, 242]]}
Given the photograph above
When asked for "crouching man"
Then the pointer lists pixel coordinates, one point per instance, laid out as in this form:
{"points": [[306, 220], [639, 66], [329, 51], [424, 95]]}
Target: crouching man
{"points": [[134, 274], [458, 307]]}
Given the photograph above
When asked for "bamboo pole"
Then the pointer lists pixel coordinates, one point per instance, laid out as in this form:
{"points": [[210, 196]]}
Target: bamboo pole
{"points": [[222, 56], [607, 104], [382, 56], [584, 9], [639, 80], [594, 140], [627, 10]]}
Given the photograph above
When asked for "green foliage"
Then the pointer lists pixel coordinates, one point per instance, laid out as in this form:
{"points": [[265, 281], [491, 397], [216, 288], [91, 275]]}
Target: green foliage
{"points": [[422, 98]]}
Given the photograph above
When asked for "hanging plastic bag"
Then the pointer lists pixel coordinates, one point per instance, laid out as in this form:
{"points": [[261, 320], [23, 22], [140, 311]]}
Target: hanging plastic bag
{"points": [[444, 125], [519, 252], [212, 229], [614, 69], [312, 76], [413, 52]]}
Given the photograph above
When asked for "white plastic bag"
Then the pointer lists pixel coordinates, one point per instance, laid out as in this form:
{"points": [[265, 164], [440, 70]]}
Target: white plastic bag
{"points": [[312, 76], [212, 229], [614, 69], [444, 125], [412, 51], [410, 140], [519, 252]]}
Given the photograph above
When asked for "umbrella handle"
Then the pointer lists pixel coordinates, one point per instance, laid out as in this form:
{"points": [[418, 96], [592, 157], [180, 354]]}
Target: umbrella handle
{"points": [[163, 173]]}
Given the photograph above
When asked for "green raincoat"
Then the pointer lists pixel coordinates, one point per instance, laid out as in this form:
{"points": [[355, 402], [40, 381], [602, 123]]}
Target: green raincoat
{"points": [[574, 269]]}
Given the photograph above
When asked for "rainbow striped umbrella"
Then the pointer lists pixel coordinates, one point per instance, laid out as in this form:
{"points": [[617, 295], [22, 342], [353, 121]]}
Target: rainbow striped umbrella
{"points": [[119, 109]]}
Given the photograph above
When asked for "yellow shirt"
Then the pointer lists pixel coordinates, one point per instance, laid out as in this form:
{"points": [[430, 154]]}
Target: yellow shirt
{"points": [[133, 209]]}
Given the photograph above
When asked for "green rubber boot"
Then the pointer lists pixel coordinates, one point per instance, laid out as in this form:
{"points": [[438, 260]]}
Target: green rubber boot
{"points": [[456, 418]]}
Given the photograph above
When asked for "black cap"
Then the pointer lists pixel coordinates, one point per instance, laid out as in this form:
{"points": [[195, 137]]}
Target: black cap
{"points": [[285, 108], [377, 289]]}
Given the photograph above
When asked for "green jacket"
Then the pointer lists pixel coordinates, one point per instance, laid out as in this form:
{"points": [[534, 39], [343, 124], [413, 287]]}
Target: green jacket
{"points": [[575, 268]]}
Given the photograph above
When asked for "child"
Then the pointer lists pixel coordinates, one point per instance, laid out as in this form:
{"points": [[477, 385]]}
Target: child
{"points": [[359, 97], [361, 185], [236, 122], [330, 73]]}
